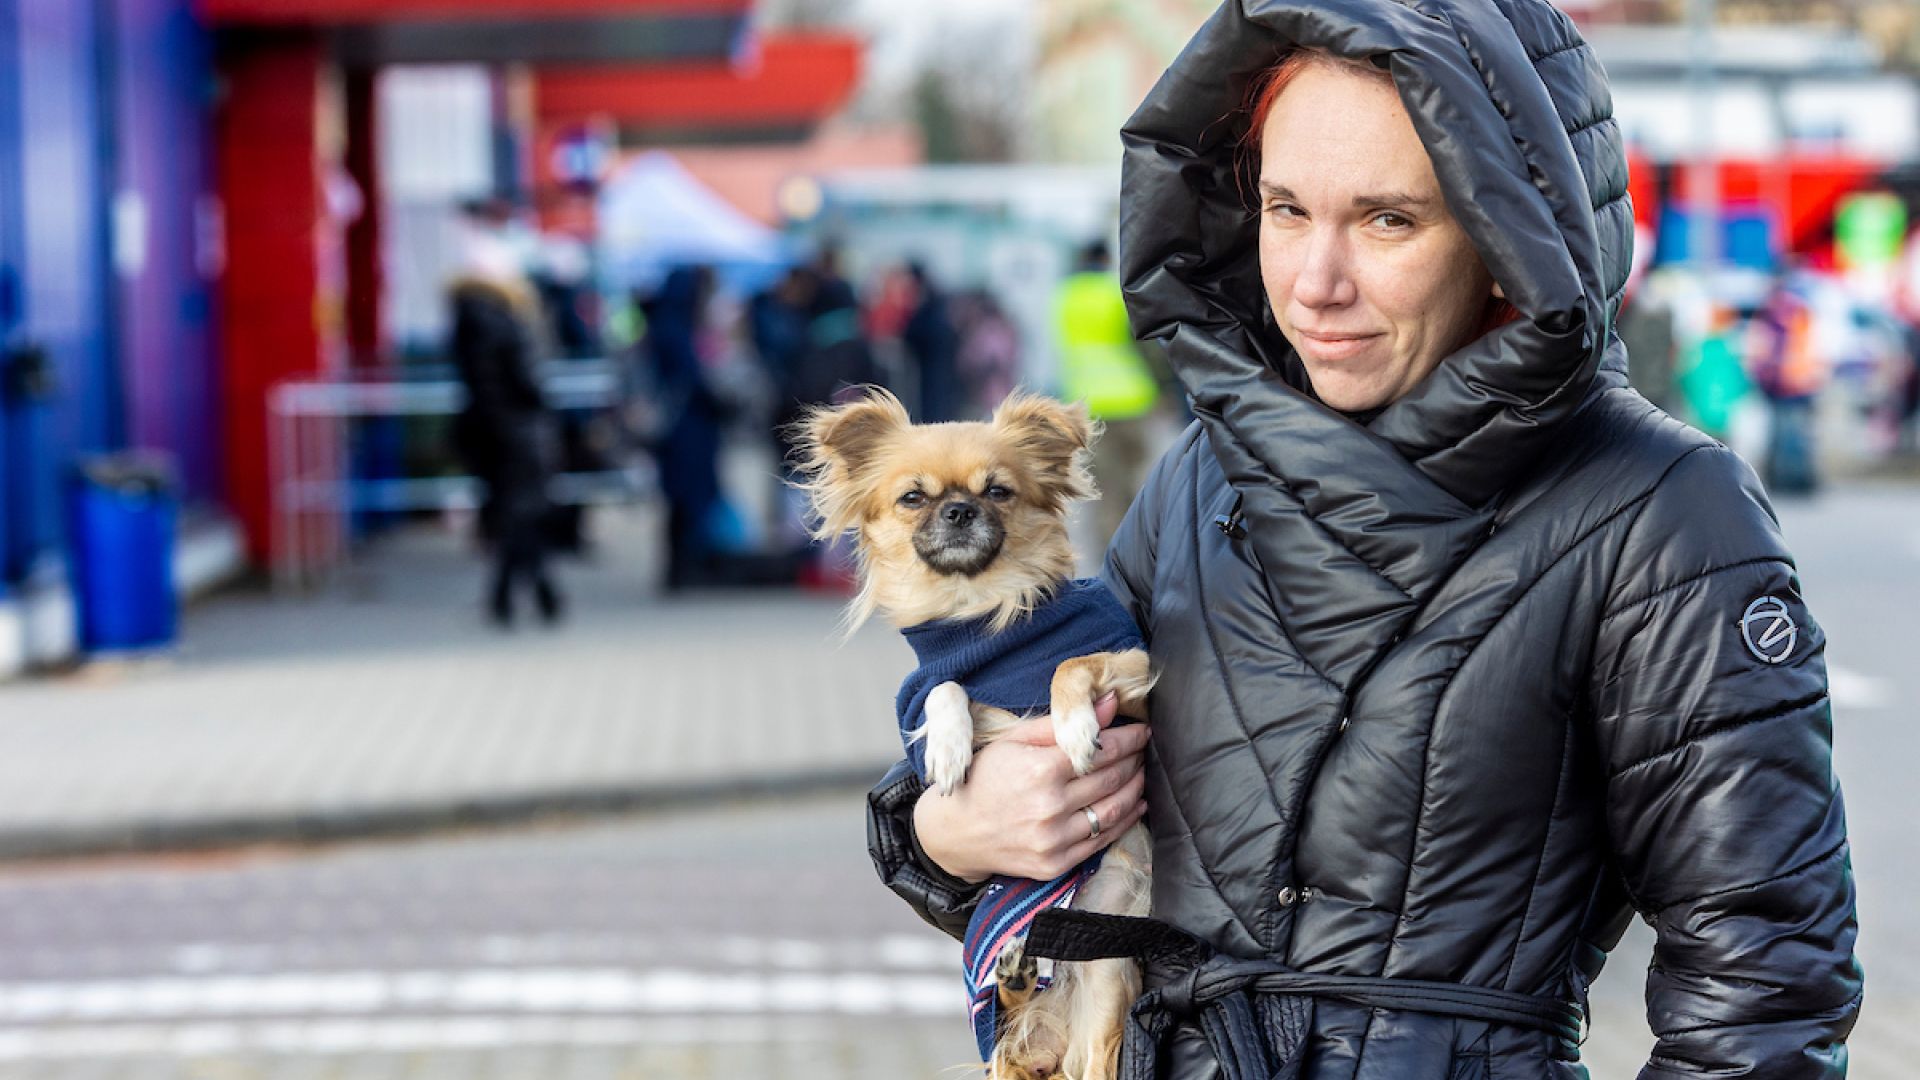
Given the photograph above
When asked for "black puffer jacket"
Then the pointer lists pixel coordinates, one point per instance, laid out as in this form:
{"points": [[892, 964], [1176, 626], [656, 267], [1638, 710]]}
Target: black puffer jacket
{"points": [[1489, 674]]}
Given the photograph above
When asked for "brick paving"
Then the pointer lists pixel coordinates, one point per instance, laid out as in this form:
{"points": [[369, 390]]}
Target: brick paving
{"points": [[386, 701]]}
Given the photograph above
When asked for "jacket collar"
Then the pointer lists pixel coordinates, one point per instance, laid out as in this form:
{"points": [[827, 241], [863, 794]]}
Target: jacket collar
{"points": [[1536, 178]]}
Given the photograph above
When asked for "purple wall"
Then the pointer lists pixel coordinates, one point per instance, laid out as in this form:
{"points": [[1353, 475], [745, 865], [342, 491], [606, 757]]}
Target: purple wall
{"points": [[162, 84]]}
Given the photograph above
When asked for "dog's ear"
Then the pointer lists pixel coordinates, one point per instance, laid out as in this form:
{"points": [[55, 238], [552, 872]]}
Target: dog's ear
{"points": [[833, 447], [1054, 438]]}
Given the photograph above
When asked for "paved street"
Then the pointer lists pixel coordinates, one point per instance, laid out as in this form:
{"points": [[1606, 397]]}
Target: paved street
{"points": [[742, 938], [749, 941], [740, 941]]}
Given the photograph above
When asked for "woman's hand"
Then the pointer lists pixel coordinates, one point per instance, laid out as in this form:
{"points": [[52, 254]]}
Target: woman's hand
{"points": [[1020, 812]]}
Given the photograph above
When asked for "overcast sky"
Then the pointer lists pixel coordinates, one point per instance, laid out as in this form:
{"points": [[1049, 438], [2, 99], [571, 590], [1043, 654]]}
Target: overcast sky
{"points": [[903, 34]]}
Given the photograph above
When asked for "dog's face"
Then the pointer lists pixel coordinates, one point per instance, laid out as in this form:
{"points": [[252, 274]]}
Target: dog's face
{"points": [[953, 520]]}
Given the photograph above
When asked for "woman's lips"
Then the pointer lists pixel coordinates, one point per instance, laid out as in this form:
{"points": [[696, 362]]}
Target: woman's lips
{"points": [[1335, 346]]}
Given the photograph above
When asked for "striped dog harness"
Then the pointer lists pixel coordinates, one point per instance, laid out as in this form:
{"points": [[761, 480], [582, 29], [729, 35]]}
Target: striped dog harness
{"points": [[1007, 909]]}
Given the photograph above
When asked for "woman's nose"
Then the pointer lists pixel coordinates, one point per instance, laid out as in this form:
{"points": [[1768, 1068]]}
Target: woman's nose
{"points": [[1325, 278]]}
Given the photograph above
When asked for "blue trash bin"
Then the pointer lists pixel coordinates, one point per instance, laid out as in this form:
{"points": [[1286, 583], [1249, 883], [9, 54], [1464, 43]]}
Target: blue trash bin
{"points": [[120, 528]]}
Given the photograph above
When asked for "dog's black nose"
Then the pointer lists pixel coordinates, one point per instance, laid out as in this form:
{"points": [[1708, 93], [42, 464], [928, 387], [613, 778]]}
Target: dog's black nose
{"points": [[959, 513]]}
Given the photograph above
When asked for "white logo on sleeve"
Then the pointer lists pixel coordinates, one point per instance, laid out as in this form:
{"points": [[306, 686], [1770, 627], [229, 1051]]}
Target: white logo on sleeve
{"points": [[1768, 630]]}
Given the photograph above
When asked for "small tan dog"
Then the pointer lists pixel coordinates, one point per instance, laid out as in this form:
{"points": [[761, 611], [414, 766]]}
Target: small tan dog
{"points": [[962, 543]]}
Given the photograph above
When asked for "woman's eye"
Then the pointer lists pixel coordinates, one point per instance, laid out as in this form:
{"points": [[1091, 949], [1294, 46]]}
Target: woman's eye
{"points": [[913, 500], [999, 492], [1392, 220], [1284, 210]]}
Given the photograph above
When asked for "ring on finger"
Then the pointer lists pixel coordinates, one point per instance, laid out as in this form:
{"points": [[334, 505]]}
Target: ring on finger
{"points": [[1093, 822]]}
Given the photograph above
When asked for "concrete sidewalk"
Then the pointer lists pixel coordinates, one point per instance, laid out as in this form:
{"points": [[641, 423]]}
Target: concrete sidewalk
{"points": [[387, 704]]}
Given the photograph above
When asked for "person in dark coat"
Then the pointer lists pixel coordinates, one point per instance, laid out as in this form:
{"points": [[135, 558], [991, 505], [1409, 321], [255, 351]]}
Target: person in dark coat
{"points": [[838, 354], [505, 436], [1467, 654], [934, 344], [689, 450]]}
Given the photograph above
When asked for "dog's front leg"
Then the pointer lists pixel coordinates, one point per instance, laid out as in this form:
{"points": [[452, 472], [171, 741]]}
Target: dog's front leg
{"points": [[949, 735], [1077, 682]]}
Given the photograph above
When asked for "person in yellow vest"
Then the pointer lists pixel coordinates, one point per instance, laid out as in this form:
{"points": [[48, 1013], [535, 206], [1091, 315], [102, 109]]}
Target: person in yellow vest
{"points": [[1101, 364]]}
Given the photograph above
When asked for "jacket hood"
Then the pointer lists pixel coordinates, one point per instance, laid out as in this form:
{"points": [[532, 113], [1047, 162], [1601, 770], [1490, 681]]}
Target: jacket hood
{"points": [[1514, 111]]}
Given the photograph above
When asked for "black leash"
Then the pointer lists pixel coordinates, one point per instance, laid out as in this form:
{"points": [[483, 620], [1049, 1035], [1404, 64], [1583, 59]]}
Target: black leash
{"points": [[1256, 1014]]}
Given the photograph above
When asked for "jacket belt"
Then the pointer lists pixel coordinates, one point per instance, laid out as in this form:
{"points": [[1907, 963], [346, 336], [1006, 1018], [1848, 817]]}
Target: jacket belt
{"points": [[1256, 1015]]}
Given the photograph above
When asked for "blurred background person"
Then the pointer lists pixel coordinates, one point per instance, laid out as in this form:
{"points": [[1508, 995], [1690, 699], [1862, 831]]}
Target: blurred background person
{"points": [[837, 356], [1906, 380], [987, 358], [1790, 373], [1714, 383], [563, 276], [505, 434], [777, 320], [1645, 324], [1102, 365], [777, 325], [838, 353], [931, 345], [688, 450]]}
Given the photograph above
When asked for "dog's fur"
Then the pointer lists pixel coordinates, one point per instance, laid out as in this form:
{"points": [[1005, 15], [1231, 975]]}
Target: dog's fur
{"points": [[1000, 552]]}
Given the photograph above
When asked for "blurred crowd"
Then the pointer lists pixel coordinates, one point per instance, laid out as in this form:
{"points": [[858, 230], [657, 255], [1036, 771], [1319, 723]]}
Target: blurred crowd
{"points": [[713, 366], [1781, 366], [715, 372]]}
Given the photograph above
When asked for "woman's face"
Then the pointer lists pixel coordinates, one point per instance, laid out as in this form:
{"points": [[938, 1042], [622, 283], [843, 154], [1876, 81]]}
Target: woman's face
{"points": [[1371, 279]]}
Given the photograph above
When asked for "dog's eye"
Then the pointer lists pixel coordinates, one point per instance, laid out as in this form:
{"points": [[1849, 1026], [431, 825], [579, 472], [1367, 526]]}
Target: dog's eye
{"points": [[999, 492], [913, 500]]}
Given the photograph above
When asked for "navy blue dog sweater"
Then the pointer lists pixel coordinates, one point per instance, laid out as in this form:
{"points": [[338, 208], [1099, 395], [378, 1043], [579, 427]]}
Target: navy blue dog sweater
{"points": [[1011, 670]]}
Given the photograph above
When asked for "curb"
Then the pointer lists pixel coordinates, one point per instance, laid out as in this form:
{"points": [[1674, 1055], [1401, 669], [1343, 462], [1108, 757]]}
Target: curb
{"points": [[391, 822]]}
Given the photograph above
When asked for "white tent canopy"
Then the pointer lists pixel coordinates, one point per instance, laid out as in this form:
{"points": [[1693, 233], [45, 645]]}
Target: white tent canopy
{"points": [[655, 215]]}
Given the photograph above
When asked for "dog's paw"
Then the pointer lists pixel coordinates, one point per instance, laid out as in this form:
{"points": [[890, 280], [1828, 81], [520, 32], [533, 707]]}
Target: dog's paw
{"points": [[1015, 974], [1077, 732], [949, 735], [947, 770]]}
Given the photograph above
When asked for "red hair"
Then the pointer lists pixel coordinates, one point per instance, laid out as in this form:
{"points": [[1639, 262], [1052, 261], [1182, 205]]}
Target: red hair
{"points": [[1265, 90], [1266, 86]]}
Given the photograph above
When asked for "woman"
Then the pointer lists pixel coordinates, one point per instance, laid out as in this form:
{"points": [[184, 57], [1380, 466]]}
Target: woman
{"points": [[505, 434], [1466, 652]]}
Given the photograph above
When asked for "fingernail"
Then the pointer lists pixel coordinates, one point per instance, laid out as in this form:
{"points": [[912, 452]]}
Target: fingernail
{"points": [[1108, 696]]}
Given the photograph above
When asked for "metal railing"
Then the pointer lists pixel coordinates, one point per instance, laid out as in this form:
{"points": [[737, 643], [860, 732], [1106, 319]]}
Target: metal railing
{"points": [[312, 488]]}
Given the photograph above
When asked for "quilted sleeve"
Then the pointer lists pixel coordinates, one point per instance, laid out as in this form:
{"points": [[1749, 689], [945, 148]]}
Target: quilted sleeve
{"points": [[943, 900], [1711, 711]]}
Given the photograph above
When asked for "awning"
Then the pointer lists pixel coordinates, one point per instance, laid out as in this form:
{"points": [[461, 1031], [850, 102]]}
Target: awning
{"points": [[789, 83], [372, 32]]}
